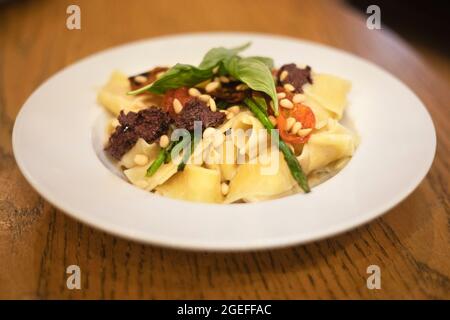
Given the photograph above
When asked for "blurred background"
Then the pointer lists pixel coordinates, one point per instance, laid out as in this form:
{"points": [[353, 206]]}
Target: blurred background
{"points": [[423, 24]]}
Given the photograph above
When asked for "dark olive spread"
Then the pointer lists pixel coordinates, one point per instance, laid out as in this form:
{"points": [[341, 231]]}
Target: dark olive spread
{"points": [[148, 124], [151, 123], [294, 76], [147, 78], [196, 110], [228, 93]]}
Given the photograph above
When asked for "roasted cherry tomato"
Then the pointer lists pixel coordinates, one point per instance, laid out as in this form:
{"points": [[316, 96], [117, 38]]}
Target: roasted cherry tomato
{"points": [[181, 94], [302, 114]]}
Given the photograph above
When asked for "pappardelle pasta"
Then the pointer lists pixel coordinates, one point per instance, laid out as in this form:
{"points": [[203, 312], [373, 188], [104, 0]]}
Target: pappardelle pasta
{"points": [[232, 129]]}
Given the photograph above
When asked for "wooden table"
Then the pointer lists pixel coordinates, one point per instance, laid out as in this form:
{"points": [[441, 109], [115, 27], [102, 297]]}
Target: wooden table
{"points": [[37, 242]]}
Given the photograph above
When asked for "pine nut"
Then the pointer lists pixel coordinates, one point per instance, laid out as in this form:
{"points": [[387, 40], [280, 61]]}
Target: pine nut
{"points": [[218, 139], [297, 126], [193, 92], [209, 132], [304, 132], [224, 188], [234, 109], [224, 79], [203, 84], [289, 87], [212, 86], [298, 98], [290, 123], [281, 95], [164, 141], [273, 120], [177, 106], [241, 87], [140, 159], [286, 103], [204, 97], [216, 69], [230, 115], [140, 79], [212, 105], [283, 75]]}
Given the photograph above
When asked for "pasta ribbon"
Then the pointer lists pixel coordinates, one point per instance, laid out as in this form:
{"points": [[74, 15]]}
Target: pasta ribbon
{"points": [[194, 183], [141, 147], [250, 182], [328, 144], [330, 92], [113, 96]]}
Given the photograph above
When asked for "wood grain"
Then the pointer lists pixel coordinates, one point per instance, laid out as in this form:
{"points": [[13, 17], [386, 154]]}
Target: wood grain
{"points": [[37, 242]]}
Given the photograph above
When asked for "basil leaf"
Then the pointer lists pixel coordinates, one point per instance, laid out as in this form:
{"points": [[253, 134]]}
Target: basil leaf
{"points": [[230, 65], [261, 103], [266, 60], [216, 55], [178, 76], [187, 75], [254, 73]]}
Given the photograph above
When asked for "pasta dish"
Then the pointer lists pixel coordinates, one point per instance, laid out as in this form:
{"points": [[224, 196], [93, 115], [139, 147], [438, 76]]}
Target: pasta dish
{"points": [[232, 129]]}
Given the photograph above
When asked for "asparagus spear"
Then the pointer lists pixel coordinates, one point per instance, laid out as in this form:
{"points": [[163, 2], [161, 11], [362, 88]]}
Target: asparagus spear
{"points": [[187, 153], [160, 159], [164, 157], [291, 160]]}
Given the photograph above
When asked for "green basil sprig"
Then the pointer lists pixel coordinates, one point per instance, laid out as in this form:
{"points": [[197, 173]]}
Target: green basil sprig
{"points": [[261, 102], [185, 75], [266, 60], [216, 55], [178, 76], [253, 71]]}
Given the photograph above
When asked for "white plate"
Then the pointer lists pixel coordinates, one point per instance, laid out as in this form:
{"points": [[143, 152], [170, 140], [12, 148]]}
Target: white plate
{"points": [[58, 148]]}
